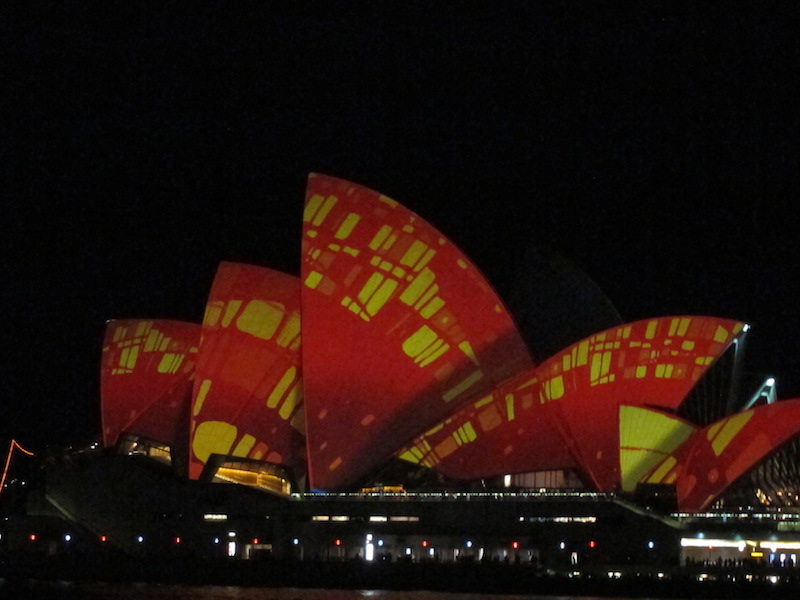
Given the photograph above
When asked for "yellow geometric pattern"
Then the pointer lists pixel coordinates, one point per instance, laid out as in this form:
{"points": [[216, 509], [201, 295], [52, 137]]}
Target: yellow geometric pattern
{"points": [[377, 276], [146, 338], [248, 394], [646, 437], [722, 433], [488, 413], [146, 370], [613, 373]]}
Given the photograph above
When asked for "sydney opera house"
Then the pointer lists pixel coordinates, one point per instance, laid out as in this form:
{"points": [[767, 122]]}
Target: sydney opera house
{"points": [[387, 404]]}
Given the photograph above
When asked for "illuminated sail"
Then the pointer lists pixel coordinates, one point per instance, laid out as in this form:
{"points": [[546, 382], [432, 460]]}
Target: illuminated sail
{"points": [[146, 379], [248, 392], [399, 329]]}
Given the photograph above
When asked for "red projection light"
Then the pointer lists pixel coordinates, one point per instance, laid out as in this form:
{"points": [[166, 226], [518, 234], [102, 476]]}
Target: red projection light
{"points": [[337, 542], [584, 404], [103, 538], [592, 544], [424, 543], [148, 359], [515, 545], [247, 380], [32, 537], [255, 540], [771, 424], [374, 271], [178, 540]]}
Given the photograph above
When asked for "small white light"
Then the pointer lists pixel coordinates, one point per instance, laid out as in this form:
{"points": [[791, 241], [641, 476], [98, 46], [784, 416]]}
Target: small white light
{"points": [[469, 543], [231, 534], [67, 537], [771, 381], [651, 545], [295, 541], [140, 539]]}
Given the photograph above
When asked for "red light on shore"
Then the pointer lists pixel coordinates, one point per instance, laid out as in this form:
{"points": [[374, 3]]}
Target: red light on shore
{"points": [[337, 542], [255, 540], [592, 544], [424, 543], [32, 537], [103, 538], [515, 545], [178, 540]]}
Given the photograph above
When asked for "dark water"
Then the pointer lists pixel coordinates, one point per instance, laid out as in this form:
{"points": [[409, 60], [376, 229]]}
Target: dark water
{"points": [[142, 591]]}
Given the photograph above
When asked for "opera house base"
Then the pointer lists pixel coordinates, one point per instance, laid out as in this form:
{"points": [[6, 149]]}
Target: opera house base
{"points": [[101, 516]]}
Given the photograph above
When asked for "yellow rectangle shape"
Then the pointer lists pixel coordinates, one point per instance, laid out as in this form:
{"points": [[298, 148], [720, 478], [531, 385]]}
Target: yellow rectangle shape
{"points": [[463, 386], [322, 213], [379, 238], [347, 226], [416, 288]]}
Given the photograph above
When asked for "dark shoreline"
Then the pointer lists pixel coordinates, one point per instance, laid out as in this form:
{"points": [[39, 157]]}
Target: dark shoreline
{"points": [[494, 578]]}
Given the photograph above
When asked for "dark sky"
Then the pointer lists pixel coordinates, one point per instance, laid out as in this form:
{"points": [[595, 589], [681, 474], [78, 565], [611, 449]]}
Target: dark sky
{"points": [[142, 144]]}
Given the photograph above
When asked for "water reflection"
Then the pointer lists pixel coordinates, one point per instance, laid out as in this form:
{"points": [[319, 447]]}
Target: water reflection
{"points": [[63, 590]]}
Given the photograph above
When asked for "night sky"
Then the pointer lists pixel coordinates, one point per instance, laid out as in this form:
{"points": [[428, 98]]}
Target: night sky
{"points": [[142, 144]]}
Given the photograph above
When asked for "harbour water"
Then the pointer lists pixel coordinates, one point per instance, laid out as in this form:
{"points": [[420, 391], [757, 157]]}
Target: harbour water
{"points": [[63, 590]]}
